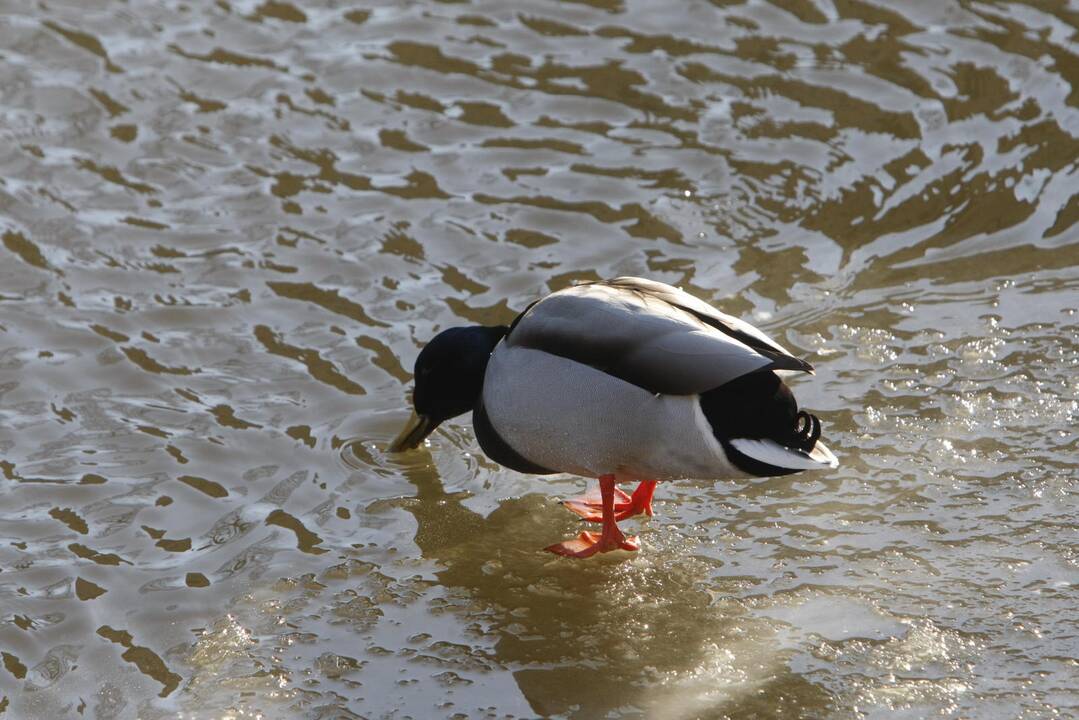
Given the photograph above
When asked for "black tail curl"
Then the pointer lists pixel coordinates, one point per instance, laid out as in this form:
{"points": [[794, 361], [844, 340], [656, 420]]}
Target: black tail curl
{"points": [[806, 431]]}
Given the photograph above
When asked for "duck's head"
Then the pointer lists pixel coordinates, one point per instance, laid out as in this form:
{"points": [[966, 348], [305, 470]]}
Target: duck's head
{"points": [[448, 379]]}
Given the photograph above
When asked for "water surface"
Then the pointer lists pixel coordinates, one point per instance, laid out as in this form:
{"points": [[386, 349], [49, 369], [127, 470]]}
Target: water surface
{"points": [[228, 227]]}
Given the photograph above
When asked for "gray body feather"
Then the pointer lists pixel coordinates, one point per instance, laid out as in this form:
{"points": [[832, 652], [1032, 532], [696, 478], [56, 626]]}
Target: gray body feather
{"points": [[569, 417]]}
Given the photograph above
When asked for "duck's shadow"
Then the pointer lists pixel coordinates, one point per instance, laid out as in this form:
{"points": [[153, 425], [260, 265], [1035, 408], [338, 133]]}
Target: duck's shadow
{"points": [[637, 635]]}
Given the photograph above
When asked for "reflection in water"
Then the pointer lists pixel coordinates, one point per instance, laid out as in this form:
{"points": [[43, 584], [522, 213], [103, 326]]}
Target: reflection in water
{"points": [[576, 634], [228, 227]]}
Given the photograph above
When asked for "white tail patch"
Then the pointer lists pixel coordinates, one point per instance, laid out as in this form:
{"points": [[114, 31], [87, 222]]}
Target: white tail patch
{"points": [[771, 452]]}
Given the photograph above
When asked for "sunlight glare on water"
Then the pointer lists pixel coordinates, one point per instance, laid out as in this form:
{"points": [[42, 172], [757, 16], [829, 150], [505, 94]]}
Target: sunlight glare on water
{"points": [[229, 227]]}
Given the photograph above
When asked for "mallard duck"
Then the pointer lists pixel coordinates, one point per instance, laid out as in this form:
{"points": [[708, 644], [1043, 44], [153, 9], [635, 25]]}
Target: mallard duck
{"points": [[622, 380]]}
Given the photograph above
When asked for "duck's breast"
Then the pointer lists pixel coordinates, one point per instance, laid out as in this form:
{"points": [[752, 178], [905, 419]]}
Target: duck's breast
{"points": [[570, 417]]}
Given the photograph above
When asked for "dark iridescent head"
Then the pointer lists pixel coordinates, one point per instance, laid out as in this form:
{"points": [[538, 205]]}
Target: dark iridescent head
{"points": [[448, 379]]}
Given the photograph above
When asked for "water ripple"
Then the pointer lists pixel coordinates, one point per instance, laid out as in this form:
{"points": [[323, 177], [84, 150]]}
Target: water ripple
{"points": [[229, 228]]}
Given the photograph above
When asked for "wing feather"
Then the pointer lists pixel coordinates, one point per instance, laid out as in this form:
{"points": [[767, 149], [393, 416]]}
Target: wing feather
{"points": [[649, 334]]}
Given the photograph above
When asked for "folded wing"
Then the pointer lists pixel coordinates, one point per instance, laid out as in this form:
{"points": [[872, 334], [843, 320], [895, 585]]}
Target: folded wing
{"points": [[650, 334]]}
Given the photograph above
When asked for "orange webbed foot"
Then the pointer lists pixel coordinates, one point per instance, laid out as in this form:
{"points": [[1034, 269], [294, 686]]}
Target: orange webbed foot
{"points": [[588, 544], [589, 506]]}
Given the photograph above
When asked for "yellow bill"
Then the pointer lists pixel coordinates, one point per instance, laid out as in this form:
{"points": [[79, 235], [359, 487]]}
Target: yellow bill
{"points": [[416, 429]]}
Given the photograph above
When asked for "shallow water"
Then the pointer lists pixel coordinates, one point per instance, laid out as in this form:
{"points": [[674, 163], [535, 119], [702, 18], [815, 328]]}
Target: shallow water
{"points": [[228, 227]]}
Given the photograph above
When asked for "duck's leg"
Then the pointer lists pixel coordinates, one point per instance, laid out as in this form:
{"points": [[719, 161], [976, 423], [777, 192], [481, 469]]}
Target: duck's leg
{"points": [[611, 538], [588, 505], [641, 500]]}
